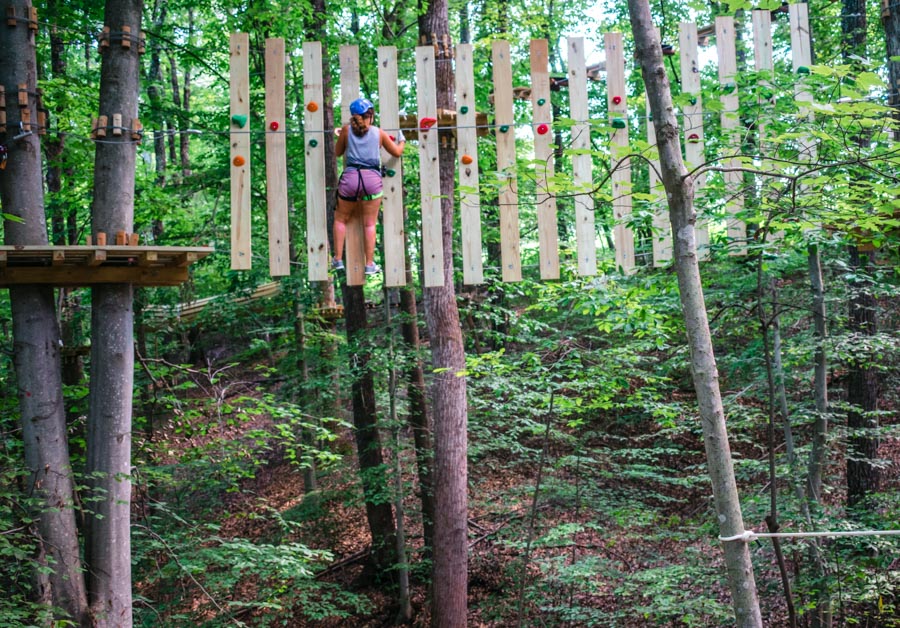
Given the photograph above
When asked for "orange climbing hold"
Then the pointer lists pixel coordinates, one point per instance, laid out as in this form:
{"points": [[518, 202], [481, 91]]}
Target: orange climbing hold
{"points": [[466, 159], [312, 106], [238, 161]]}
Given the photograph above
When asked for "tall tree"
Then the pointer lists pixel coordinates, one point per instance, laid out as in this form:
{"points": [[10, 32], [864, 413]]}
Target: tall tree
{"points": [[448, 388], [36, 336], [108, 539], [680, 194]]}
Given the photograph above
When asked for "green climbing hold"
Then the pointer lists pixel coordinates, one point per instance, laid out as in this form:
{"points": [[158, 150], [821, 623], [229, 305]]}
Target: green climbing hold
{"points": [[802, 70], [389, 172], [619, 123], [240, 120], [464, 109], [693, 100], [504, 128], [313, 143], [542, 102], [729, 87]]}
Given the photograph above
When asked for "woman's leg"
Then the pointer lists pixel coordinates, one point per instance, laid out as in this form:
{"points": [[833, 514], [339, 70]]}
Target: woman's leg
{"points": [[370, 211], [341, 215]]}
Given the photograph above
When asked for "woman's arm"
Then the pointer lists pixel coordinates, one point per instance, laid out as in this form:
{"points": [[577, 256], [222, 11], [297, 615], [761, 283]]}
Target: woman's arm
{"points": [[341, 144], [393, 148]]}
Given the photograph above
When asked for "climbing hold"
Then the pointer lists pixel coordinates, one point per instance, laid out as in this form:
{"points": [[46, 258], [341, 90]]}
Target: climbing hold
{"points": [[693, 138], [427, 123], [693, 100], [802, 70], [312, 106], [273, 125], [238, 161], [766, 93], [464, 109], [466, 159], [619, 123], [313, 143], [390, 172], [668, 50], [617, 100], [729, 87], [240, 120], [542, 129], [504, 128], [542, 102]]}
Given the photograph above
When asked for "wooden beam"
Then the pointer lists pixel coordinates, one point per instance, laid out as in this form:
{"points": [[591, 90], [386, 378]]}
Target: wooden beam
{"points": [[354, 244], [586, 240], [617, 102], [393, 225], [74, 276], [314, 137], [276, 160], [693, 138], [467, 155], [241, 257], [505, 129], [734, 180], [542, 126], [429, 170]]}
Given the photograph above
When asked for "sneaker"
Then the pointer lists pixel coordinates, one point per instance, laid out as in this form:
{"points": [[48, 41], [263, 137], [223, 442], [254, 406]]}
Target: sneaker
{"points": [[373, 269], [337, 264]]}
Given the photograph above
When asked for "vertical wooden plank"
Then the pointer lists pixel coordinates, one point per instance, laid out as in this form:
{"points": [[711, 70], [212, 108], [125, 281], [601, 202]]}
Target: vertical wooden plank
{"points": [[392, 205], [585, 239], [617, 100], [662, 232], [505, 129], [276, 160], [429, 171], [240, 152], [763, 62], [548, 230], [314, 135], [801, 56], [354, 244], [467, 143], [694, 144], [734, 181]]}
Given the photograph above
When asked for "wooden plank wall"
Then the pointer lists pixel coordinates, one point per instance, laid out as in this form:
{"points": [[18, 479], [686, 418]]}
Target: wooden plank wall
{"points": [[429, 172], [467, 146], [731, 124], [505, 123], [240, 152], [585, 236], [693, 139], [317, 256], [392, 206], [276, 160]]}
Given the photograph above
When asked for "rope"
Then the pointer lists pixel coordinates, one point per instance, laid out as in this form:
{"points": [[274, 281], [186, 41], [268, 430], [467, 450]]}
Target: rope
{"points": [[749, 535]]}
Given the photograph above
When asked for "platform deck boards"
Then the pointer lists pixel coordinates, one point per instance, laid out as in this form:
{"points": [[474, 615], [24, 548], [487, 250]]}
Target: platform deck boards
{"points": [[72, 266]]}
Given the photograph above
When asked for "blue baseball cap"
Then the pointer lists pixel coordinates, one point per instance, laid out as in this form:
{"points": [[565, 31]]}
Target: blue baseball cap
{"points": [[360, 106]]}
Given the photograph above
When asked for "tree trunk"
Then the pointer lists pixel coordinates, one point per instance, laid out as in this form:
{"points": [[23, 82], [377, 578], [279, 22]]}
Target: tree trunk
{"points": [[36, 340], [184, 139], [155, 79], [679, 190], [890, 17], [368, 441], [449, 573], [108, 542]]}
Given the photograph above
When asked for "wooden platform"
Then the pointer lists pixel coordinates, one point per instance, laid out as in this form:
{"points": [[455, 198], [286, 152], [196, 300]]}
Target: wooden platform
{"points": [[72, 266]]}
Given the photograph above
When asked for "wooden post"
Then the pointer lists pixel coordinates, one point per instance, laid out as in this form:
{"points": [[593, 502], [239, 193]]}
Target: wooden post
{"points": [[542, 126], [240, 152], [694, 145], [467, 143], [314, 138], [429, 171], [586, 240], [276, 160], [617, 99], [662, 233], [394, 230], [354, 245], [505, 130], [762, 55], [734, 180]]}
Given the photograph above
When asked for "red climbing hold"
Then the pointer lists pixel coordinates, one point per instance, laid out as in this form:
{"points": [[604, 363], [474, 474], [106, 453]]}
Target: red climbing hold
{"points": [[273, 125], [542, 129], [427, 123]]}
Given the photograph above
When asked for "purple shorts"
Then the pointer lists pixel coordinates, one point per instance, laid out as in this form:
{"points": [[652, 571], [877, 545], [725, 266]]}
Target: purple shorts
{"points": [[360, 185]]}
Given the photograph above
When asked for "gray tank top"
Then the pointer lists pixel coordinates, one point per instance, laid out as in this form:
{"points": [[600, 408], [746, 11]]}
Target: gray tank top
{"points": [[365, 151]]}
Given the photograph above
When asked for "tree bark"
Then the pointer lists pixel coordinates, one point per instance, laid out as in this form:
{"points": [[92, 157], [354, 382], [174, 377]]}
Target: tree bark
{"points": [[36, 341], [108, 542], [448, 388], [679, 190], [890, 18]]}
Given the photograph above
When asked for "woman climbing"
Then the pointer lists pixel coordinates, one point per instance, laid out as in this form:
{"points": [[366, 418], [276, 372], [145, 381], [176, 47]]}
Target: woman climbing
{"points": [[360, 187]]}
